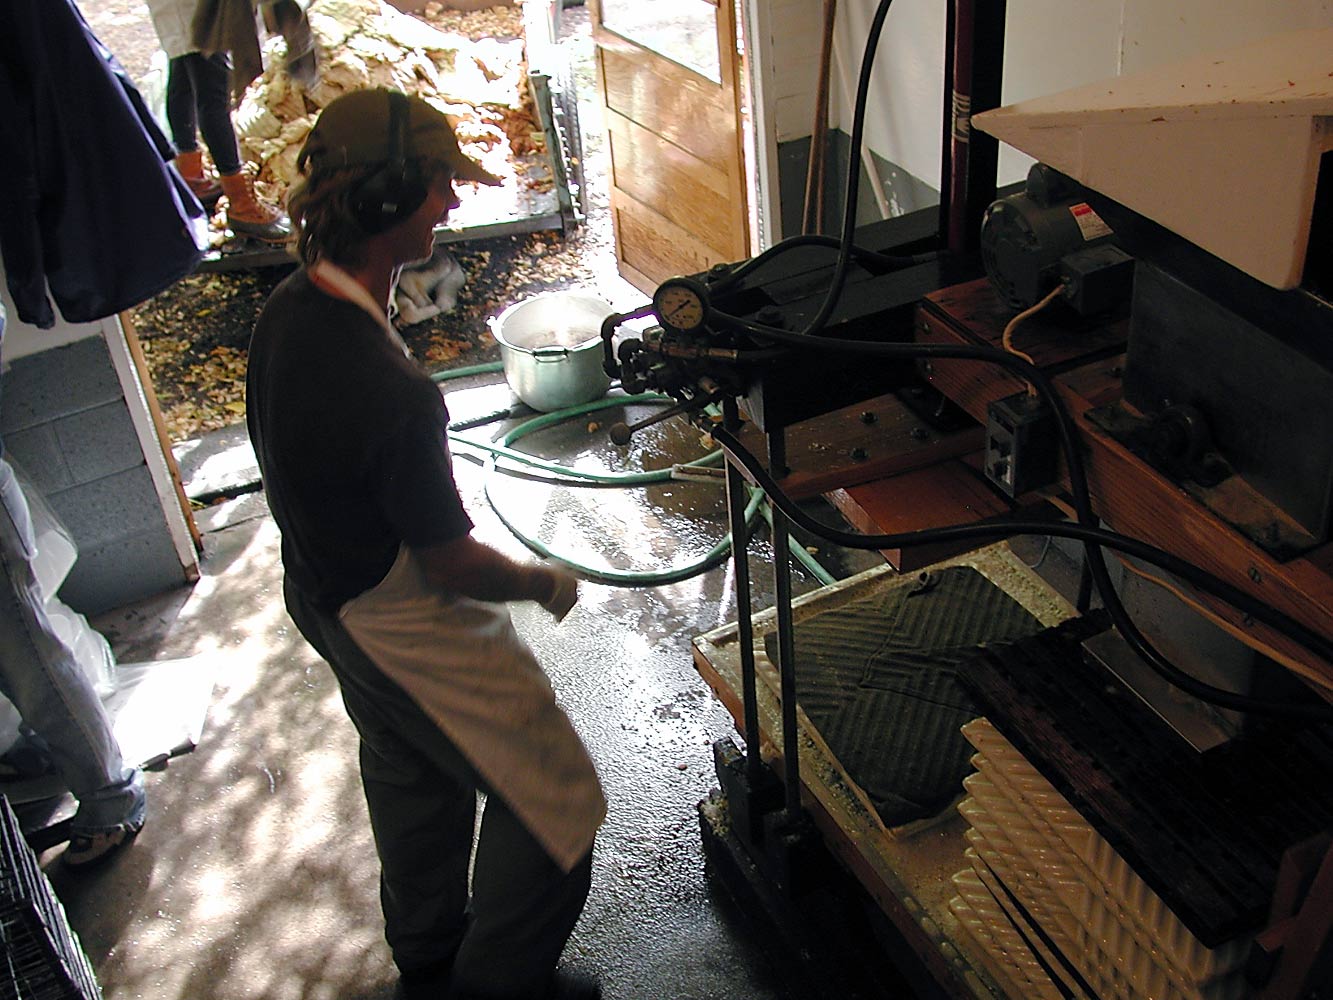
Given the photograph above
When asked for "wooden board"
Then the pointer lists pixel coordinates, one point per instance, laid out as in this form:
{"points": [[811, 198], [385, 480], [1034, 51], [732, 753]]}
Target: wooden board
{"points": [[971, 313], [860, 444], [1136, 500], [908, 874], [135, 347], [939, 495]]}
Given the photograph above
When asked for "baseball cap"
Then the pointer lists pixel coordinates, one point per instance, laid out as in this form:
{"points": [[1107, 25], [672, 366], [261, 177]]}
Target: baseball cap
{"points": [[354, 130]]}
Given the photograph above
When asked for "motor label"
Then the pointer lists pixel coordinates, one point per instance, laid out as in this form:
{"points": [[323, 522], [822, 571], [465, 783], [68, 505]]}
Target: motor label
{"points": [[1089, 222]]}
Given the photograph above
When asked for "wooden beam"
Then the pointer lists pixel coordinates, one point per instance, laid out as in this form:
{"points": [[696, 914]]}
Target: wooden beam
{"points": [[160, 426]]}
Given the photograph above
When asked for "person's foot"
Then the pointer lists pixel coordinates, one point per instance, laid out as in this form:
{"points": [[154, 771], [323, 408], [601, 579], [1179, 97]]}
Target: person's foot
{"points": [[87, 848], [248, 216], [569, 984], [428, 982]]}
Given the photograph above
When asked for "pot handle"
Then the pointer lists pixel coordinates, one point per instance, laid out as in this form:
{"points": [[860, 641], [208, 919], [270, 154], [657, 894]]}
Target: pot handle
{"points": [[549, 355]]}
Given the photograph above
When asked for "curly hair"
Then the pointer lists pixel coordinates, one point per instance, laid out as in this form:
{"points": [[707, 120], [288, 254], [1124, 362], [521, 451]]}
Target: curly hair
{"points": [[324, 224]]}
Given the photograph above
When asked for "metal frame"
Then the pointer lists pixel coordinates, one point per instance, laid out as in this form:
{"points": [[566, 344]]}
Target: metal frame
{"points": [[974, 55]]}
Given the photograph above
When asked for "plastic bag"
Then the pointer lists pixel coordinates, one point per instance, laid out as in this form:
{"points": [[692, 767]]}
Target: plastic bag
{"points": [[56, 550], [55, 555]]}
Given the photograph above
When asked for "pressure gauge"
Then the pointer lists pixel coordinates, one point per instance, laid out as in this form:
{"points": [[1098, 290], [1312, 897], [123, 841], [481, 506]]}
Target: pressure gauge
{"points": [[681, 304]]}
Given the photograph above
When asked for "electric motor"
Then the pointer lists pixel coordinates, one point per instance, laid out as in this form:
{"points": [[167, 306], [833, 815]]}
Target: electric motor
{"points": [[1025, 236]]}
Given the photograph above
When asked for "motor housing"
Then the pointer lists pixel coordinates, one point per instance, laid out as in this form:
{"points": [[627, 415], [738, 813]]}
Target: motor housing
{"points": [[1026, 236]]}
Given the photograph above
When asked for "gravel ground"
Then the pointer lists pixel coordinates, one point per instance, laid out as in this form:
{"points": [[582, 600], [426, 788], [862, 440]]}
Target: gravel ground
{"points": [[195, 334]]}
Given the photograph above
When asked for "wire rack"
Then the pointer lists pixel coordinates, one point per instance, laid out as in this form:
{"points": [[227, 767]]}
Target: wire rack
{"points": [[42, 959]]}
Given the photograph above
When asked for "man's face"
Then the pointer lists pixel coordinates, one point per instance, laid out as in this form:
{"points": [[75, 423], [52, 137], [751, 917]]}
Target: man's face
{"points": [[416, 234]]}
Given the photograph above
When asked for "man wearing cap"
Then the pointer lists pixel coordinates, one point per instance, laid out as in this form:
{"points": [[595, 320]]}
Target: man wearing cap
{"points": [[383, 578]]}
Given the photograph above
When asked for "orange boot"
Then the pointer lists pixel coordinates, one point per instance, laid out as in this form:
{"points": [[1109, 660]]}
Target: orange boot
{"points": [[201, 181], [248, 216]]}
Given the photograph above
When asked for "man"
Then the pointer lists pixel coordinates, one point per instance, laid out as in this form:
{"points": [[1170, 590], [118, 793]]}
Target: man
{"points": [[383, 578]]}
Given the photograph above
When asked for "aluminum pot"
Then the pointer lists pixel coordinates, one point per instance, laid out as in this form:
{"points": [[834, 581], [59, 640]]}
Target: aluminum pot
{"points": [[551, 348]]}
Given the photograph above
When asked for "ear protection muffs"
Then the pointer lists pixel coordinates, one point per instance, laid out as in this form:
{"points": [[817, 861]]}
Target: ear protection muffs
{"points": [[396, 190]]}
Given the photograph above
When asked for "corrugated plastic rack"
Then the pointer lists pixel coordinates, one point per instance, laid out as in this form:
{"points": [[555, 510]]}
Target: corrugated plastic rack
{"points": [[1206, 833], [42, 957]]}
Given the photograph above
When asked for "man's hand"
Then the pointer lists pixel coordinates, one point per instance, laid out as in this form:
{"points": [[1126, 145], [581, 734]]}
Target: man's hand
{"points": [[468, 567], [564, 594]]}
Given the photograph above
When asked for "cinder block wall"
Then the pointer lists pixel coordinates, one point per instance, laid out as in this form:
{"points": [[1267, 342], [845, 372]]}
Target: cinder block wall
{"points": [[66, 422]]}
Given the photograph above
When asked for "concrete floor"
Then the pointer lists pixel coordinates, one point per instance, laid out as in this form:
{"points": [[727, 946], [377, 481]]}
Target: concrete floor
{"points": [[255, 875]]}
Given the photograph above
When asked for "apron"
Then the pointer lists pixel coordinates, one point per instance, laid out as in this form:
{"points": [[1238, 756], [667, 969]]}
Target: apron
{"points": [[466, 667]]}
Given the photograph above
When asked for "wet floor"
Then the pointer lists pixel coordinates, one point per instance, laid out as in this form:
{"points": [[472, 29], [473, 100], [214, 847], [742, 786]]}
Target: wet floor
{"points": [[255, 876]]}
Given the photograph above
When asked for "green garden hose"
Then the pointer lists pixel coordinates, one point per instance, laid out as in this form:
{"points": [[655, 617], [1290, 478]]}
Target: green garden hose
{"points": [[579, 477]]}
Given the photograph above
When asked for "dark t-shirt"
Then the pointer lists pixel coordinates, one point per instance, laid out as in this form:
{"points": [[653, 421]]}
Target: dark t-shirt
{"points": [[350, 437]]}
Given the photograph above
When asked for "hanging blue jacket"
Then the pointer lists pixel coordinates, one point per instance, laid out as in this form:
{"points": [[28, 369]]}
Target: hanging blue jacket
{"points": [[89, 205]]}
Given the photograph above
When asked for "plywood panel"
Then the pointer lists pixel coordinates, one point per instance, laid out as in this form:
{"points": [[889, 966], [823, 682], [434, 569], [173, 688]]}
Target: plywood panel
{"points": [[668, 100], [658, 175], [652, 245]]}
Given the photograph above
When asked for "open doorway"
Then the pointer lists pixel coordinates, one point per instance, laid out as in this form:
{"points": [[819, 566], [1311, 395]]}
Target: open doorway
{"points": [[674, 109], [194, 336]]}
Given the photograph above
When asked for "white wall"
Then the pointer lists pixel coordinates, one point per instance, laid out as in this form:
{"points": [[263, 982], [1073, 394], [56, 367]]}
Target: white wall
{"points": [[792, 31], [1051, 45], [21, 339]]}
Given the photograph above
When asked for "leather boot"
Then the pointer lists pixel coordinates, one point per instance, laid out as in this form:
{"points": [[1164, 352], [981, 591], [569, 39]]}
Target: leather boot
{"points": [[248, 216], [201, 181]]}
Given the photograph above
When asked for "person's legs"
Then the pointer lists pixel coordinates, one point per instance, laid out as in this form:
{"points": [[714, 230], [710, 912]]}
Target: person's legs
{"points": [[423, 821], [181, 106], [246, 214], [183, 119], [524, 908], [422, 814], [209, 76], [40, 675]]}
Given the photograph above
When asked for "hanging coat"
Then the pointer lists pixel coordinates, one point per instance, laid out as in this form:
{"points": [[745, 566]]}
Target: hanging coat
{"points": [[90, 206]]}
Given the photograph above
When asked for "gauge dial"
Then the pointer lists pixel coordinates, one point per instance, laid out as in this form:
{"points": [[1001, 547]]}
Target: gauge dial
{"points": [[681, 304]]}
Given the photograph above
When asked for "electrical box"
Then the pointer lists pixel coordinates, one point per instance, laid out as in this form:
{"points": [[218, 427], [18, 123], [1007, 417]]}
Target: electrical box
{"points": [[1097, 279], [1022, 444]]}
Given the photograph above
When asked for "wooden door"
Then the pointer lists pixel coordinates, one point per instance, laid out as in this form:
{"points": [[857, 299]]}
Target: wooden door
{"points": [[668, 76]]}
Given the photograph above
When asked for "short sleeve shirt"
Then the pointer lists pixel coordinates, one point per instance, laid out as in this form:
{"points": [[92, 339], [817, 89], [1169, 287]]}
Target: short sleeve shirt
{"points": [[350, 435]]}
